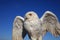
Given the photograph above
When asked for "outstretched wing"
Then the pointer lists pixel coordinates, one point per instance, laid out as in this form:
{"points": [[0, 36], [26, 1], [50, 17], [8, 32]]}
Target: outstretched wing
{"points": [[18, 29], [50, 23]]}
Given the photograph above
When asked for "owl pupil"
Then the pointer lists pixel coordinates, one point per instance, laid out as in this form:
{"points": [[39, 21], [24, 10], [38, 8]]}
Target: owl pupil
{"points": [[30, 14]]}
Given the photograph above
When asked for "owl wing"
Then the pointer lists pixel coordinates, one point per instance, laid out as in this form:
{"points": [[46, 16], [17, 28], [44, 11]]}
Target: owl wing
{"points": [[50, 23], [18, 32]]}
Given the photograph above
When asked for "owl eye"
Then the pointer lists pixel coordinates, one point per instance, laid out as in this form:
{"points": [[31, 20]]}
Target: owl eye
{"points": [[30, 14]]}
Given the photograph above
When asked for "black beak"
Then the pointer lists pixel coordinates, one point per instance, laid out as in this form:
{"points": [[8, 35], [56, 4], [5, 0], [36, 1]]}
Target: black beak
{"points": [[26, 18]]}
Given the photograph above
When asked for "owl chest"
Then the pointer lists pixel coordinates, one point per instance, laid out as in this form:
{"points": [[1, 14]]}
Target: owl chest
{"points": [[31, 25]]}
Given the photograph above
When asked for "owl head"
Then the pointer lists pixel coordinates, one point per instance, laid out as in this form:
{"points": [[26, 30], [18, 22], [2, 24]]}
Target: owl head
{"points": [[31, 15]]}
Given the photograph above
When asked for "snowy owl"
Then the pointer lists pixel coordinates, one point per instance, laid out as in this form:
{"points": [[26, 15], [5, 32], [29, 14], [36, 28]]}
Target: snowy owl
{"points": [[36, 27]]}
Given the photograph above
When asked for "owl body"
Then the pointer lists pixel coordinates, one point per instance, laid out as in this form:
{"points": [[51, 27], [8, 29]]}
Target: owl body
{"points": [[33, 27]]}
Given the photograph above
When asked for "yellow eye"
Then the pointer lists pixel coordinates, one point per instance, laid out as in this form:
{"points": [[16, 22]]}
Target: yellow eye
{"points": [[30, 14]]}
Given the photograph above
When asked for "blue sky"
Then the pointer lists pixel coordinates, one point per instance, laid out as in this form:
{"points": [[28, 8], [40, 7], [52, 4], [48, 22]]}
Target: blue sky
{"points": [[9, 9]]}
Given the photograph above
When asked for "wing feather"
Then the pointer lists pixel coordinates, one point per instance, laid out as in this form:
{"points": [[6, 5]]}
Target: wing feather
{"points": [[18, 28], [50, 23]]}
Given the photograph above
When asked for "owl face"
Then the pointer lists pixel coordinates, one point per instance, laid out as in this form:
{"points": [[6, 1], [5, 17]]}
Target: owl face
{"points": [[31, 15]]}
